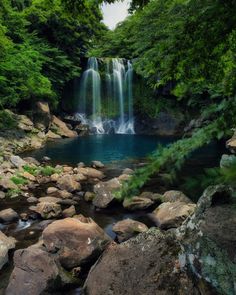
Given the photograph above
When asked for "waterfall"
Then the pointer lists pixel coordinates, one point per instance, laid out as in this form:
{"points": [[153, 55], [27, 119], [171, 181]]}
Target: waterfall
{"points": [[112, 108], [91, 81]]}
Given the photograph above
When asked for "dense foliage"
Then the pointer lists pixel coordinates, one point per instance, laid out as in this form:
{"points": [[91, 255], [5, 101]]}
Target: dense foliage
{"points": [[41, 46], [187, 47], [190, 44]]}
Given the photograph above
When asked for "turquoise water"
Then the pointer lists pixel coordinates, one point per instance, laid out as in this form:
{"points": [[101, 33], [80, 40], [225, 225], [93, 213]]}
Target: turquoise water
{"points": [[105, 148]]}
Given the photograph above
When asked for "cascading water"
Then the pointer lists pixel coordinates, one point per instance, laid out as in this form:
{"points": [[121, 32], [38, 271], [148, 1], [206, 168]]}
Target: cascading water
{"points": [[91, 81], [113, 111]]}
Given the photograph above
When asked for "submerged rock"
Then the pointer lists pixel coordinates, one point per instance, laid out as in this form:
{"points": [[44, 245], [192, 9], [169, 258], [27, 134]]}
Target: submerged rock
{"points": [[8, 216], [6, 244], [137, 203], [105, 192], [77, 241], [97, 164], [127, 228], [172, 214], [145, 264]]}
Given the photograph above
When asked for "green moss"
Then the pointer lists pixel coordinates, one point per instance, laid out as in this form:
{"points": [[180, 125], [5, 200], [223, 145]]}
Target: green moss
{"points": [[19, 180]]}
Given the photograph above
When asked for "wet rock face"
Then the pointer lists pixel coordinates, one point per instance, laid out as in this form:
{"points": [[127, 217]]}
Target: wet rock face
{"points": [[142, 265], [6, 244], [77, 241], [208, 240]]}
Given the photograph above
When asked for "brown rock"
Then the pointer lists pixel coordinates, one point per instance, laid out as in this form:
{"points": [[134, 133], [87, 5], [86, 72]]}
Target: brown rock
{"points": [[35, 272], [145, 264], [8, 216], [28, 176], [48, 210], [6, 244], [91, 172], [128, 228], [105, 192], [89, 196], [60, 128], [52, 190], [77, 242], [68, 183], [174, 196], [137, 203], [69, 212], [171, 215]]}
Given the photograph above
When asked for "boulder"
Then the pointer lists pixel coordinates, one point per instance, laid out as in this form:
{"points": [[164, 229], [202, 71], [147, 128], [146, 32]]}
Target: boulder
{"points": [[48, 210], [128, 228], [8, 216], [227, 160], [54, 177], [32, 200], [2, 195], [42, 116], [174, 196], [145, 264], [89, 196], [35, 272], [7, 184], [128, 171], [51, 135], [155, 197], [52, 190], [91, 172], [105, 192], [137, 203], [64, 194], [31, 161], [208, 241], [69, 212], [17, 161], [80, 177], [6, 244], [28, 176], [68, 183], [172, 214], [60, 128], [77, 241], [24, 123], [124, 177], [49, 199], [97, 164]]}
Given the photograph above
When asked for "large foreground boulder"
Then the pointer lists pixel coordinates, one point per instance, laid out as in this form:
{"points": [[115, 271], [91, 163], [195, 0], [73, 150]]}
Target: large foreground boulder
{"points": [[76, 240], [142, 265], [105, 192], [42, 116], [36, 272], [208, 240], [6, 244]]}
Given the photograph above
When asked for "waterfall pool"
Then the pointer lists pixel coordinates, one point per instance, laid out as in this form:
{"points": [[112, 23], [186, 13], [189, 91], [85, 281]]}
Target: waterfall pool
{"points": [[101, 147]]}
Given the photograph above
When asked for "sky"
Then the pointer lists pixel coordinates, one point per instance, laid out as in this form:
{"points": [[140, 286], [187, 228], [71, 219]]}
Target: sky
{"points": [[115, 13]]}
